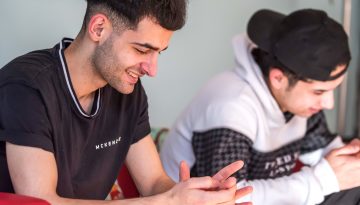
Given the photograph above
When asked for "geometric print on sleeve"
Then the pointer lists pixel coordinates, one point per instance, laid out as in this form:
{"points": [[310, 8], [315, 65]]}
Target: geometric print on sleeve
{"points": [[216, 148]]}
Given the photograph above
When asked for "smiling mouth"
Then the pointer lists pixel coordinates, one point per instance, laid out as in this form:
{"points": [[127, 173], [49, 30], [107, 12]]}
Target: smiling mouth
{"points": [[132, 74], [314, 110]]}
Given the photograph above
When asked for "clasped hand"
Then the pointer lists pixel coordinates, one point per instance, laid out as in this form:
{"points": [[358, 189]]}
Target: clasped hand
{"points": [[218, 189], [345, 162]]}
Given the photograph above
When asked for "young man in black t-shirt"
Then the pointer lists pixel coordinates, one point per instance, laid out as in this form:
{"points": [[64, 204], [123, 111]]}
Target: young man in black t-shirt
{"points": [[71, 115]]}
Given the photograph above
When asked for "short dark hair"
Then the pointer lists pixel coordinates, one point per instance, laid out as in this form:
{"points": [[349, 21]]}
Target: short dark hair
{"points": [[266, 62], [126, 14]]}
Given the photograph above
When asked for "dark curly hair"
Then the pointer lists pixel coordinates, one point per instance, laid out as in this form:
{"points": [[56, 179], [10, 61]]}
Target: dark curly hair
{"points": [[126, 14]]}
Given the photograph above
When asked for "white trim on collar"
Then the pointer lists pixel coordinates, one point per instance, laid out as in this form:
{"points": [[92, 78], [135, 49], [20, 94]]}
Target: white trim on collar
{"points": [[68, 83]]}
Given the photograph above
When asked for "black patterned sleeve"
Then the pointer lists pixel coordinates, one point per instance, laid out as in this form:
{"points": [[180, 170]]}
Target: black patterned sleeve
{"points": [[216, 148], [317, 134]]}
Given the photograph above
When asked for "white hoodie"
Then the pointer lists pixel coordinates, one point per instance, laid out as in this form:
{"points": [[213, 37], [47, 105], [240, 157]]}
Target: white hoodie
{"points": [[222, 103]]}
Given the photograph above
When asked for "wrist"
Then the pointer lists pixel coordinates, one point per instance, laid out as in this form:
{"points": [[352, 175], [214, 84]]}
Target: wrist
{"points": [[168, 197], [163, 198]]}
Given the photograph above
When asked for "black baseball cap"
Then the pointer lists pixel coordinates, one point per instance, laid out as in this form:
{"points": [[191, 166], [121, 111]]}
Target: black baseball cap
{"points": [[307, 41]]}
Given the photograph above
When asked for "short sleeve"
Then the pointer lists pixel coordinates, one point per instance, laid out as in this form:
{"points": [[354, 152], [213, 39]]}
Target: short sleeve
{"points": [[23, 117], [142, 127]]}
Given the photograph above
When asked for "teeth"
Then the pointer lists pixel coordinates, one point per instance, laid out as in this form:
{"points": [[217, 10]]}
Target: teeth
{"points": [[132, 74]]}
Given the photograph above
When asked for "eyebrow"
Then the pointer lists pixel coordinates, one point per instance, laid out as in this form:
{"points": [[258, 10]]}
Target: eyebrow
{"points": [[149, 46]]}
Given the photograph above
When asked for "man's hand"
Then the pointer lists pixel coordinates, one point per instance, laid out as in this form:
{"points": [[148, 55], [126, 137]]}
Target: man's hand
{"points": [[221, 188], [224, 176], [345, 162]]}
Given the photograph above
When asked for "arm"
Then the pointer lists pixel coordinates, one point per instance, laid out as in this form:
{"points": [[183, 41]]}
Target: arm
{"points": [[215, 148], [343, 159], [311, 184], [145, 167], [143, 155], [315, 182], [33, 172]]}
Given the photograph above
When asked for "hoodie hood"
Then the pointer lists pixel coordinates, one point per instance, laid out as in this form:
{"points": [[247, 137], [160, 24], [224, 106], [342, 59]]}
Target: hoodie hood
{"points": [[248, 70]]}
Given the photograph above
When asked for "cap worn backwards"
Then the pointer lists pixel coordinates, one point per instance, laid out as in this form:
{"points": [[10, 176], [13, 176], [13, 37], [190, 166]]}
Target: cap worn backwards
{"points": [[307, 41]]}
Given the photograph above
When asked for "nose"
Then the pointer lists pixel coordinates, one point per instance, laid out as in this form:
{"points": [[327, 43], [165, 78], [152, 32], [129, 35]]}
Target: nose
{"points": [[327, 100], [149, 66]]}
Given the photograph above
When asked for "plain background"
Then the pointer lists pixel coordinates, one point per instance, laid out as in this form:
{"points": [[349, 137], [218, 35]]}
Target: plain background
{"points": [[196, 53]]}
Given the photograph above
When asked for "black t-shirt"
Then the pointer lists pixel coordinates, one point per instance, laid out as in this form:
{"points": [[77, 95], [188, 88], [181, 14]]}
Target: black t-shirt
{"points": [[38, 108]]}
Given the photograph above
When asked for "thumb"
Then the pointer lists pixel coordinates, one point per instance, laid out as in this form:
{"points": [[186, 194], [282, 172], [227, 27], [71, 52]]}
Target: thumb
{"points": [[347, 150], [243, 191], [184, 173]]}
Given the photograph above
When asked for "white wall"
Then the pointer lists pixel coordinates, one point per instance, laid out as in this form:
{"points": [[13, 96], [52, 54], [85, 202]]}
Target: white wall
{"points": [[30, 25], [201, 49]]}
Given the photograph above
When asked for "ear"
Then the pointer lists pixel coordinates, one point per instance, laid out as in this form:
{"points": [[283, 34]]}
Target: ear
{"points": [[277, 79], [99, 28]]}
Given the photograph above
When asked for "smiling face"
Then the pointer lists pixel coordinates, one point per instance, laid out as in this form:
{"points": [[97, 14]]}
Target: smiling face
{"points": [[304, 98], [123, 58]]}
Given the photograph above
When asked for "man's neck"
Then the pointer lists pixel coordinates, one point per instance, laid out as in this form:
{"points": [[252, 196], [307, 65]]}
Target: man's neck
{"points": [[85, 80]]}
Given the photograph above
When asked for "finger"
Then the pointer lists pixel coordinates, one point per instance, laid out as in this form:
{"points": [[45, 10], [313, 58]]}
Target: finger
{"points": [[227, 171], [184, 173], [227, 203], [243, 191], [346, 150], [203, 183], [228, 183], [232, 203], [224, 196], [244, 203]]}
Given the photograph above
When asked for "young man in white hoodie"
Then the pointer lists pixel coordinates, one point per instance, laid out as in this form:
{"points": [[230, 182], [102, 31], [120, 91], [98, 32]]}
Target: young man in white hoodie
{"points": [[268, 112]]}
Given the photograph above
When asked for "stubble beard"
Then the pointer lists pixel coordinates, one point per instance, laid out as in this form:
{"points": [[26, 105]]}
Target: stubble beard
{"points": [[103, 61]]}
